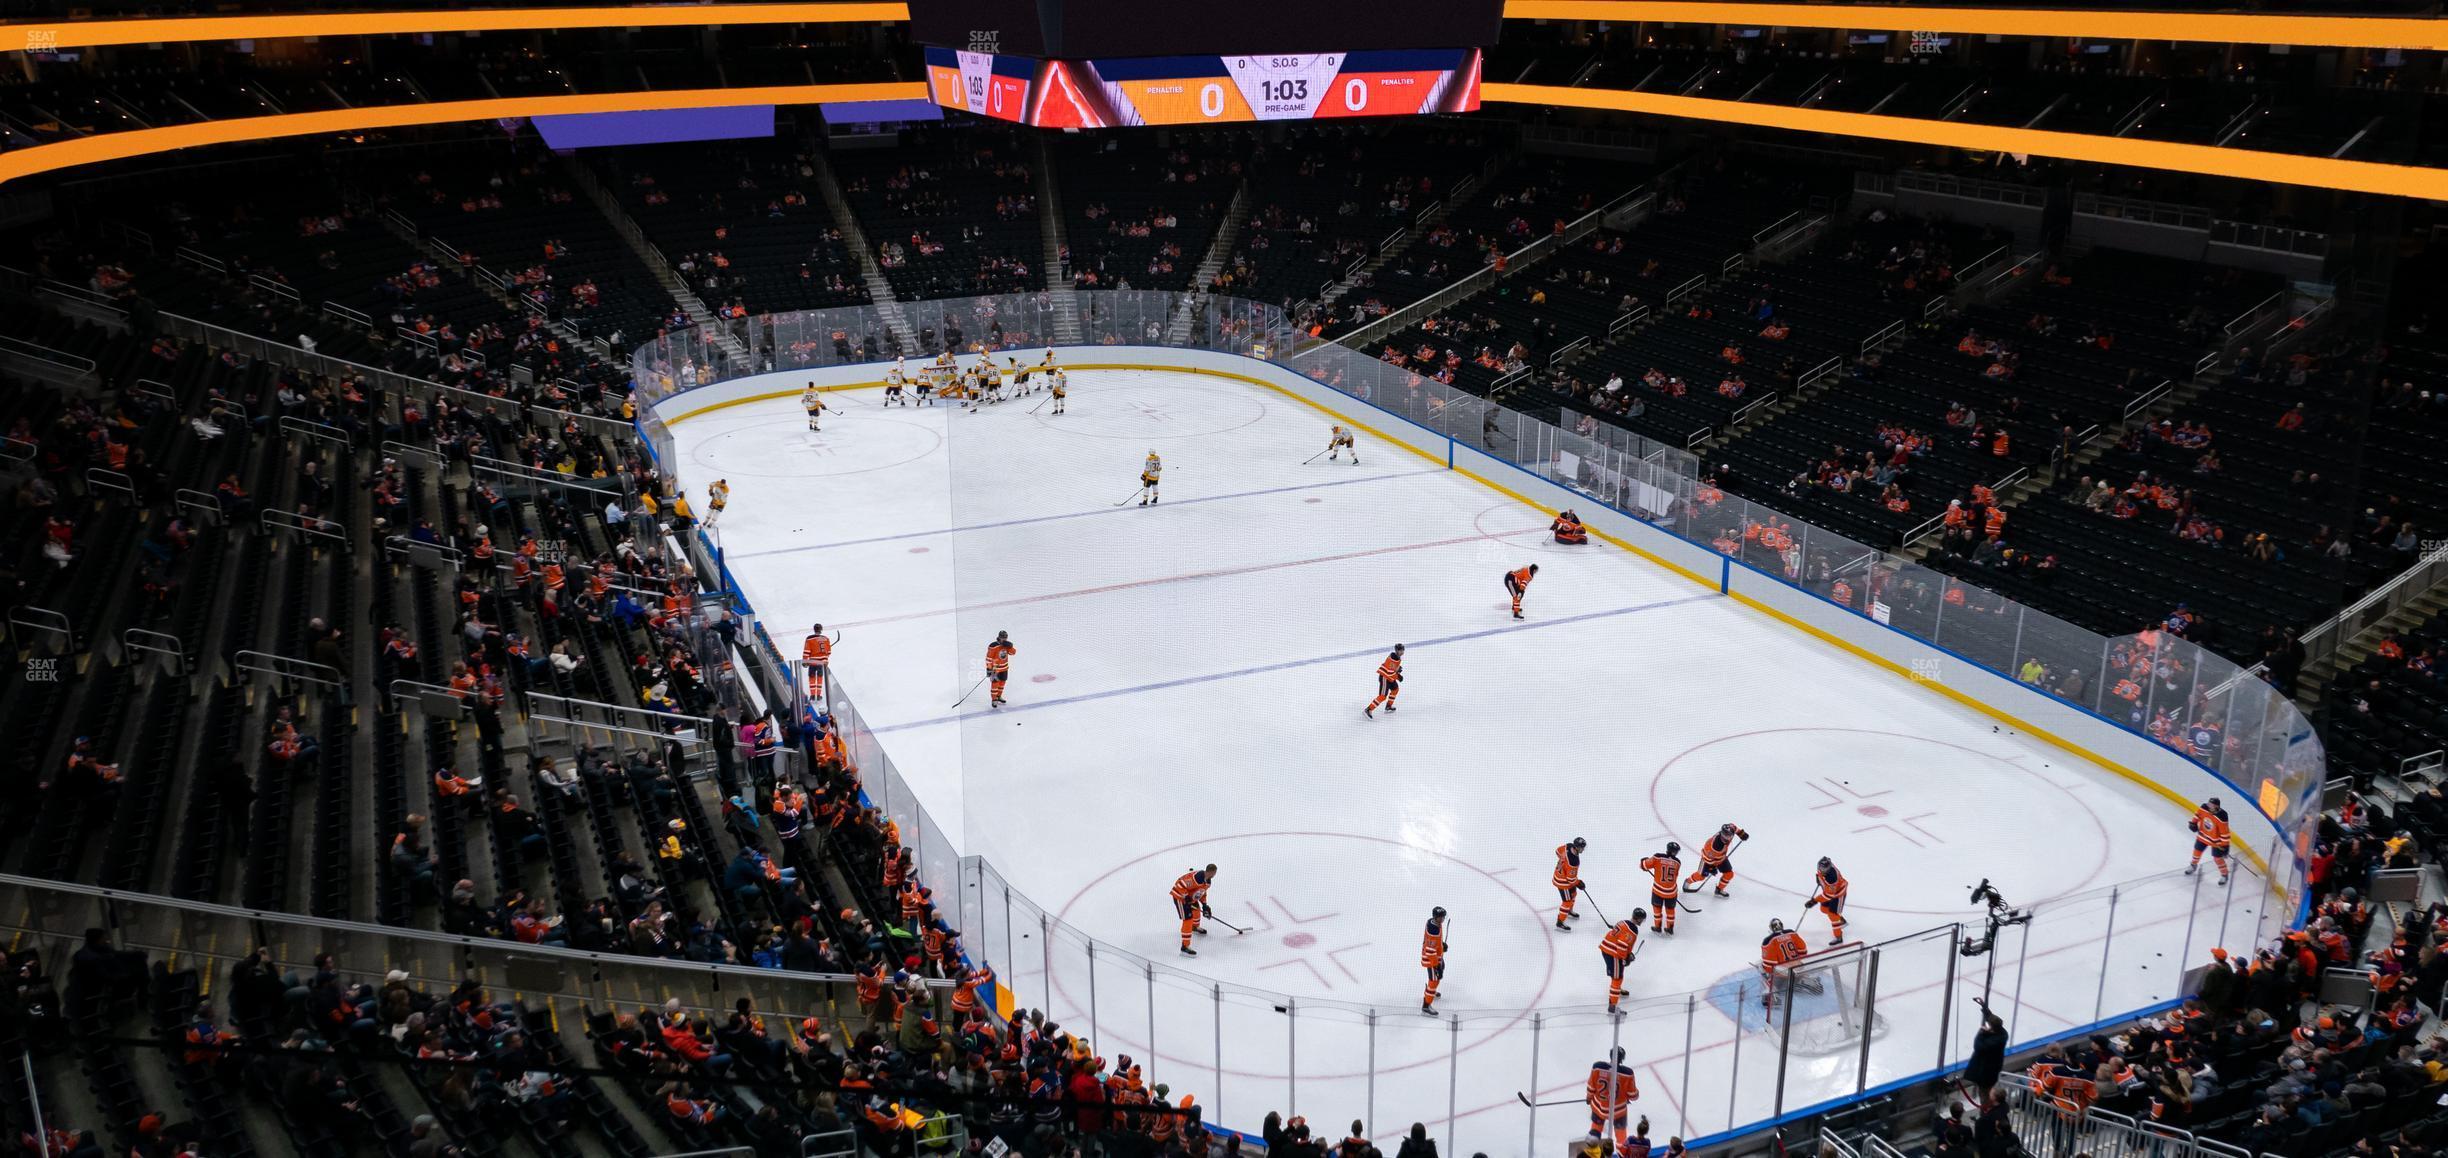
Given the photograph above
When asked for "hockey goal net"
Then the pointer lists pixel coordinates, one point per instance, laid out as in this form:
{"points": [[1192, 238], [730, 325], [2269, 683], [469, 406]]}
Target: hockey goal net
{"points": [[1821, 1004]]}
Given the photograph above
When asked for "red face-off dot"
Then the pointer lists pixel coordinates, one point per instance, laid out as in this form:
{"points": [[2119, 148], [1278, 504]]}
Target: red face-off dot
{"points": [[1041, 679], [1299, 940], [920, 550], [1871, 810]]}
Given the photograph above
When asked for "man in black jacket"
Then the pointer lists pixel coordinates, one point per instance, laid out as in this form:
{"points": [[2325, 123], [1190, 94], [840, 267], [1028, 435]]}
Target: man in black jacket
{"points": [[1988, 1054]]}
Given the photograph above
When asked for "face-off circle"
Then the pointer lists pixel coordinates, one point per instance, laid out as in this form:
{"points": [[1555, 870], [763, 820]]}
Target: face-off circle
{"points": [[1311, 937], [849, 444], [1907, 841], [1133, 409]]}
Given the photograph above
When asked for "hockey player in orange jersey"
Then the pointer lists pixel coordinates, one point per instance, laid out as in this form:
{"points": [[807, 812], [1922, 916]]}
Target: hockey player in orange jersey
{"points": [[1389, 682], [1432, 959], [1622, 943], [1611, 1092], [1717, 859], [1828, 892], [2211, 833], [1567, 881], [1665, 871]]}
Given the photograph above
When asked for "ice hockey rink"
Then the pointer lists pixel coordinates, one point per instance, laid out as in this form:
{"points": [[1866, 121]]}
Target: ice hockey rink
{"points": [[1188, 689]]}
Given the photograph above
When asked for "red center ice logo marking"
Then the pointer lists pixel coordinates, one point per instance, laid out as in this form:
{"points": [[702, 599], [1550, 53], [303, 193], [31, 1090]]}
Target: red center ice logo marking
{"points": [[1823, 787], [1300, 942]]}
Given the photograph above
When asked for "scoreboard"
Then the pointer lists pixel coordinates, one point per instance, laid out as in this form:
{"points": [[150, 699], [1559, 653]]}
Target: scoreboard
{"points": [[1191, 90]]}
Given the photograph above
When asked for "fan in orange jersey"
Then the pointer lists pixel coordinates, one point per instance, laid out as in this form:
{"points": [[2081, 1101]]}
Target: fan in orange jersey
{"points": [[1568, 880], [1717, 859], [1611, 1094], [2210, 832], [1432, 958], [1665, 870], [1190, 904], [1389, 683], [1622, 943], [1517, 581], [998, 666], [1781, 947], [1829, 894], [817, 653]]}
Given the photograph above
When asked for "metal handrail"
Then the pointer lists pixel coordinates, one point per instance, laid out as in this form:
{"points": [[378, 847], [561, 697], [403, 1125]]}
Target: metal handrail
{"points": [[19, 347], [160, 390], [1812, 376], [35, 618], [519, 470], [1878, 339], [15, 451], [1761, 237], [200, 259], [292, 424], [108, 479], [1688, 287], [194, 499], [572, 706], [275, 288], [1746, 409], [380, 933], [349, 314], [142, 639], [271, 519], [1630, 318], [2245, 320], [2147, 398], [286, 667]]}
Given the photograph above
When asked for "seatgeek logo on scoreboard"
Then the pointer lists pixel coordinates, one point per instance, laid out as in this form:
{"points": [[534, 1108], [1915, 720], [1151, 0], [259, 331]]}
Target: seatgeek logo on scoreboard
{"points": [[1187, 90]]}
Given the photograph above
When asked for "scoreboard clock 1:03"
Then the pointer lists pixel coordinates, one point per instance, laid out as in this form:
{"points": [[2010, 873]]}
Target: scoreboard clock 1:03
{"points": [[1182, 90]]}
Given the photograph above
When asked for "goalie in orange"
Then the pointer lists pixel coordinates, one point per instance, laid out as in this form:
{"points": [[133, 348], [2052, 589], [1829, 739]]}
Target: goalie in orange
{"points": [[1780, 948]]}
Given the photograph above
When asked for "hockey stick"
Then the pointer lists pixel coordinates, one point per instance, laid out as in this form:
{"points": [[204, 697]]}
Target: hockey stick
{"points": [[1041, 402], [1237, 930], [1687, 906], [1595, 907], [971, 692], [1315, 457], [1693, 888], [1134, 494], [1525, 1100]]}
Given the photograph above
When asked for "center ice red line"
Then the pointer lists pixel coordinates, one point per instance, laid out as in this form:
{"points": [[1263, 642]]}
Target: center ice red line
{"points": [[1187, 577]]}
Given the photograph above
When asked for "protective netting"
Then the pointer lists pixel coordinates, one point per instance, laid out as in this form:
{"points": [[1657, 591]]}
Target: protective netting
{"points": [[1883, 1012]]}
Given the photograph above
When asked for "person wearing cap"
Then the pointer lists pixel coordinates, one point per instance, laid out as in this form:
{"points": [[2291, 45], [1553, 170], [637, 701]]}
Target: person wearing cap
{"points": [[2218, 984]]}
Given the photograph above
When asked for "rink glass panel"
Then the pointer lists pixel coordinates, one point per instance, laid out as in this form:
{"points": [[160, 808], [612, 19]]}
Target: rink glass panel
{"points": [[1240, 1051]]}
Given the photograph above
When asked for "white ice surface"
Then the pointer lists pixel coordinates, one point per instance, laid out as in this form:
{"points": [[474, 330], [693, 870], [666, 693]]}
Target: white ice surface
{"points": [[1188, 689]]}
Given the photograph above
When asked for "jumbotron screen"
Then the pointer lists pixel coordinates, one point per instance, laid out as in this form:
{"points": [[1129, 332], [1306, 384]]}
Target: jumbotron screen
{"points": [[1191, 90]]}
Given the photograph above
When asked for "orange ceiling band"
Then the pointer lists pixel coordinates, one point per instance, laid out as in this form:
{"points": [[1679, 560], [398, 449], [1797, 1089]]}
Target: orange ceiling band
{"points": [[44, 37], [2204, 27], [138, 142], [2208, 160]]}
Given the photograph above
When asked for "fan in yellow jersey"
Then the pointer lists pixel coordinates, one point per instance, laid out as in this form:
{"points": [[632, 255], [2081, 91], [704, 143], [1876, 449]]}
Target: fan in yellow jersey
{"points": [[1148, 475], [1340, 441]]}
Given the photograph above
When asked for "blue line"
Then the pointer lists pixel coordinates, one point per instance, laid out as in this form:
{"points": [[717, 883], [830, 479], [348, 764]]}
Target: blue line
{"points": [[1262, 669], [1078, 515]]}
